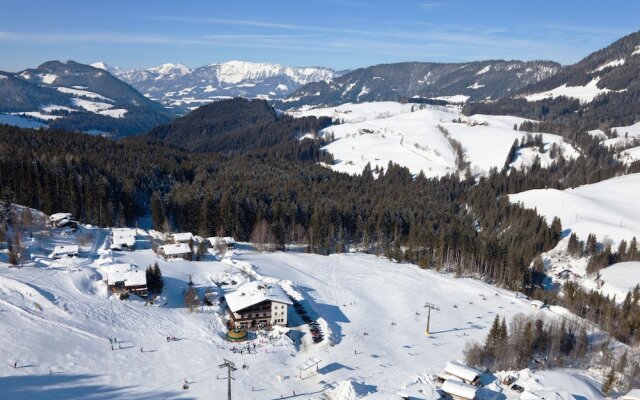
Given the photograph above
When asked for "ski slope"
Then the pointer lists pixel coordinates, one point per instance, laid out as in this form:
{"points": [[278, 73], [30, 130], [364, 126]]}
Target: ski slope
{"points": [[608, 209], [383, 132], [57, 318]]}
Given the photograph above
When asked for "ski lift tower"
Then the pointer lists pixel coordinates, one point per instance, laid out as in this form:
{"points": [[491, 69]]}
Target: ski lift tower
{"points": [[230, 367], [429, 307]]}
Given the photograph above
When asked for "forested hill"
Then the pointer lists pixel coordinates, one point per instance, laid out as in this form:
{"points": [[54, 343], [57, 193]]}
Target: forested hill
{"points": [[477, 80], [600, 91], [114, 183], [235, 125]]}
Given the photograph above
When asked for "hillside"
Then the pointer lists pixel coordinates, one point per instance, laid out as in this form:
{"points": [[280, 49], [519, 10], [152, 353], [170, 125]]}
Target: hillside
{"points": [[607, 209], [59, 320], [600, 91], [422, 138], [236, 125], [177, 86], [73, 96], [450, 82]]}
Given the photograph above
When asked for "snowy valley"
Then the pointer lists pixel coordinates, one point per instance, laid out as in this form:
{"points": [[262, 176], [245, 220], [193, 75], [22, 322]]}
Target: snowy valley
{"points": [[71, 338]]}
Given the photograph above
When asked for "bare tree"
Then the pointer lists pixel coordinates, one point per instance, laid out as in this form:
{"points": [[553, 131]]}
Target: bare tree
{"points": [[191, 298], [262, 236]]}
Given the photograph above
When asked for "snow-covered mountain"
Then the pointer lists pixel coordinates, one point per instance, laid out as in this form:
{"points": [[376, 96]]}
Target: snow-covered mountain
{"points": [[453, 82], [613, 69], [73, 96], [604, 87], [178, 86]]}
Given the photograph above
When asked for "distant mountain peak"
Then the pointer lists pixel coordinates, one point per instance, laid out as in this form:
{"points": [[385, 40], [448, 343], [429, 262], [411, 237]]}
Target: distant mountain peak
{"points": [[171, 69], [100, 65], [178, 86]]}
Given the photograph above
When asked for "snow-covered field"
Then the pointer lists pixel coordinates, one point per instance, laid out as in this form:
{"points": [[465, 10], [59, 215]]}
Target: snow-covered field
{"points": [[608, 209], [57, 318], [20, 121], [620, 278], [585, 93], [377, 133]]}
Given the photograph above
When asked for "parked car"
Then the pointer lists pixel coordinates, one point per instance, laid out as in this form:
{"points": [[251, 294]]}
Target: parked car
{"points": [[517, 388]]}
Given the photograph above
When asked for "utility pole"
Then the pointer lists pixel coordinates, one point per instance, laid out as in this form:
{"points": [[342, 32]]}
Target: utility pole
{"points": [[430, 307], [230, 367]]}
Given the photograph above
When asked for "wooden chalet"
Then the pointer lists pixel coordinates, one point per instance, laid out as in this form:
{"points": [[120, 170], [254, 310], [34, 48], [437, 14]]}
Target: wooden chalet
{"points": [[67, 250], [175, 251], [258, 305], [126, 278], [182, 237], [123, 239], [62, 220]]}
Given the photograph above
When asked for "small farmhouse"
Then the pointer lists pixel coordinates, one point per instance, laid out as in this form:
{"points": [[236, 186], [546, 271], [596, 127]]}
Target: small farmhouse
{"points": [[258, 305], [462, 372], [183, 237], [62, 220], [459, 390], [67, 250], [126, 278], [537, 304], [123, 239], [175, 251], [217, 241]]}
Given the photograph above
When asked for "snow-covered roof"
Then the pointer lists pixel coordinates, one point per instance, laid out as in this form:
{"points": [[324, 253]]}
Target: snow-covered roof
{"points": [[127, 273], [59, 217], [537, 304], [633, 394], [459, 389], [214, 240], [123, 233], [255, 292], [462, 371], [66, 249], [119, 241], [182, 236], [175, 249]]}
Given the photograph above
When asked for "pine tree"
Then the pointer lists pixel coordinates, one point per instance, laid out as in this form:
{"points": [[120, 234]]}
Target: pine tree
{"points": [[158, 276], [574, 246], [592, 243], [492, 341]]}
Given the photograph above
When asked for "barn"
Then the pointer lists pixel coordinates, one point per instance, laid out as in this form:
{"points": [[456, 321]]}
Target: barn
{"points": [[461, 372], [459, 390]]}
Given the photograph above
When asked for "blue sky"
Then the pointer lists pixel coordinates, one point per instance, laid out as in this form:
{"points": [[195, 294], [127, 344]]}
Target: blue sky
{"points": [[336, 33]]}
